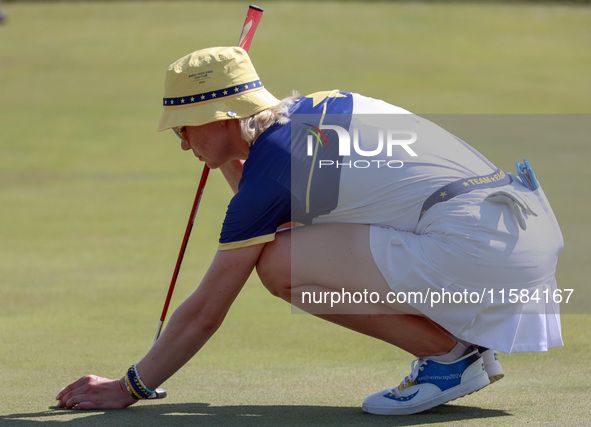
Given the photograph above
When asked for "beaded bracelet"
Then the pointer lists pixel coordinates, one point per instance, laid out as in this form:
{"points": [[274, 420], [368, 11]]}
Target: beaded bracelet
{"points": [[130, 389], [135, 385], [150, 392]]}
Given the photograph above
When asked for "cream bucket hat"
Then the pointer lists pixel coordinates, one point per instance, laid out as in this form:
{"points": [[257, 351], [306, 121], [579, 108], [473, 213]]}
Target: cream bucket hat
{"points": [[208, 85]]}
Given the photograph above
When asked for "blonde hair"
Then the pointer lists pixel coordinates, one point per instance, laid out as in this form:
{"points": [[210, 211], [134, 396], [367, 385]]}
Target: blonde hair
{"points": [[252, 127]]}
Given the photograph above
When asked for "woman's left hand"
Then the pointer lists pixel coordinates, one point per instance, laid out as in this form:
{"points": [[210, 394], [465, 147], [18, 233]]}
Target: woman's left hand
{"points": [[92, 392]]}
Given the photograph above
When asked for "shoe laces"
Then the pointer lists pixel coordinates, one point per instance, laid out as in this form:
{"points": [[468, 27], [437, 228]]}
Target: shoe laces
{"points": [[417, 366]]}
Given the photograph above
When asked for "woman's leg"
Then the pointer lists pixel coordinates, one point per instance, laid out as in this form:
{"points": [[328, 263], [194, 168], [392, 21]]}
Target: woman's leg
{"points": [[333, 261]]}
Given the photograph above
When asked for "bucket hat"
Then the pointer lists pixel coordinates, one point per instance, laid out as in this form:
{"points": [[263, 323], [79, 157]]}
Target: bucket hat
{"points": [[212, 84]]}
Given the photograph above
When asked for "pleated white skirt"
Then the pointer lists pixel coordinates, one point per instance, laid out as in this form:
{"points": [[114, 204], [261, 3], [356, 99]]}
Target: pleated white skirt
{"points": [[472, 269]]}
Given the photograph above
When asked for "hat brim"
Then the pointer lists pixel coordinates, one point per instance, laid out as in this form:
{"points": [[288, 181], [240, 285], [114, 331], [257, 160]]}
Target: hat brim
{"points": [[244, 105]]}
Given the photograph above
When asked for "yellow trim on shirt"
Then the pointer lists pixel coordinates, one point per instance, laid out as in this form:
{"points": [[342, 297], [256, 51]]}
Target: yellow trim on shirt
{"points": [[248, 242]]}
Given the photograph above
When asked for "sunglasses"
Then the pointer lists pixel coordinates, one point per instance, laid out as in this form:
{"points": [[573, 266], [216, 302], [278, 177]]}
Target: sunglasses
{"points": [[180, 132]]}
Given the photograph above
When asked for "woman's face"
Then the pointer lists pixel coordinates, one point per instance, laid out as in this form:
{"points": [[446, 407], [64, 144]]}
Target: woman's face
{"points": [[215, 143]]}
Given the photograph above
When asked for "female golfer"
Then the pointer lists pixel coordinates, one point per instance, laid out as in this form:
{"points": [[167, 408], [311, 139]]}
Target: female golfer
{"points": [[398, 230]]}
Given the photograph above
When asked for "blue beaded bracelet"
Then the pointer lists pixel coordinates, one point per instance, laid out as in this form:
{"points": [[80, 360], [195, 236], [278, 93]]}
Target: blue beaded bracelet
{"points": [[135, 384]]}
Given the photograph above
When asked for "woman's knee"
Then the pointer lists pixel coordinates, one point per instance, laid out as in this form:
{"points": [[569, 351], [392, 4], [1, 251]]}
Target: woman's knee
{"points": [[274, 266]]}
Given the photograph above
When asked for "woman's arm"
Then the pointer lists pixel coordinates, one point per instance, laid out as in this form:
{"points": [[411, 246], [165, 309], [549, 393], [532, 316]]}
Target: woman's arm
{"points": [[188, 329], [200, 315]]}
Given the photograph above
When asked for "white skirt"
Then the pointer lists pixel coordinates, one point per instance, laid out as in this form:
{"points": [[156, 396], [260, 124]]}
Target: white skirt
{"points": [[473, 270]]}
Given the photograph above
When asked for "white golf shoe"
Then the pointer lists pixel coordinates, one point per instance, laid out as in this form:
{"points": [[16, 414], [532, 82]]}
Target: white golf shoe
{"points": [[493, 368], [430, 384]]}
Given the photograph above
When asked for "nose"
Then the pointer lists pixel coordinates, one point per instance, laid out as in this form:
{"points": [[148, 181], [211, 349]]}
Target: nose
{"points": [[185, 146]]}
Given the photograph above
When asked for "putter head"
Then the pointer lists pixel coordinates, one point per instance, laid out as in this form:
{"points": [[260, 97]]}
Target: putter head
{"points": [[159, 393]]}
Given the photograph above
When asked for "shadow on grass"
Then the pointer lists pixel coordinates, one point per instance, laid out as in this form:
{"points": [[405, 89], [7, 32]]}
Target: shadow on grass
{"points": [[206, 415]]}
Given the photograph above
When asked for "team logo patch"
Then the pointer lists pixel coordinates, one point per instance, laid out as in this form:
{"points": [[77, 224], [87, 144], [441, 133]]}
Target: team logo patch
{"points": [[401, 398]]}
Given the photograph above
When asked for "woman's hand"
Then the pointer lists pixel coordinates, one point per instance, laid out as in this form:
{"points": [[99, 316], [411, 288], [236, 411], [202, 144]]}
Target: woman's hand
{"points": [[92, 392]]}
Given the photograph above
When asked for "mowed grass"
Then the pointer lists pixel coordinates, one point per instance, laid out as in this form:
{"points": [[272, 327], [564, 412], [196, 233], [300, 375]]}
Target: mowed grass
{"points": [[94, 202]]}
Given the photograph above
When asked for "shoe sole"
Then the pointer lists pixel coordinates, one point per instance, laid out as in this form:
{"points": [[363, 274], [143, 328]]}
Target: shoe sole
{"points": [[469, 387], [495, 378]]}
